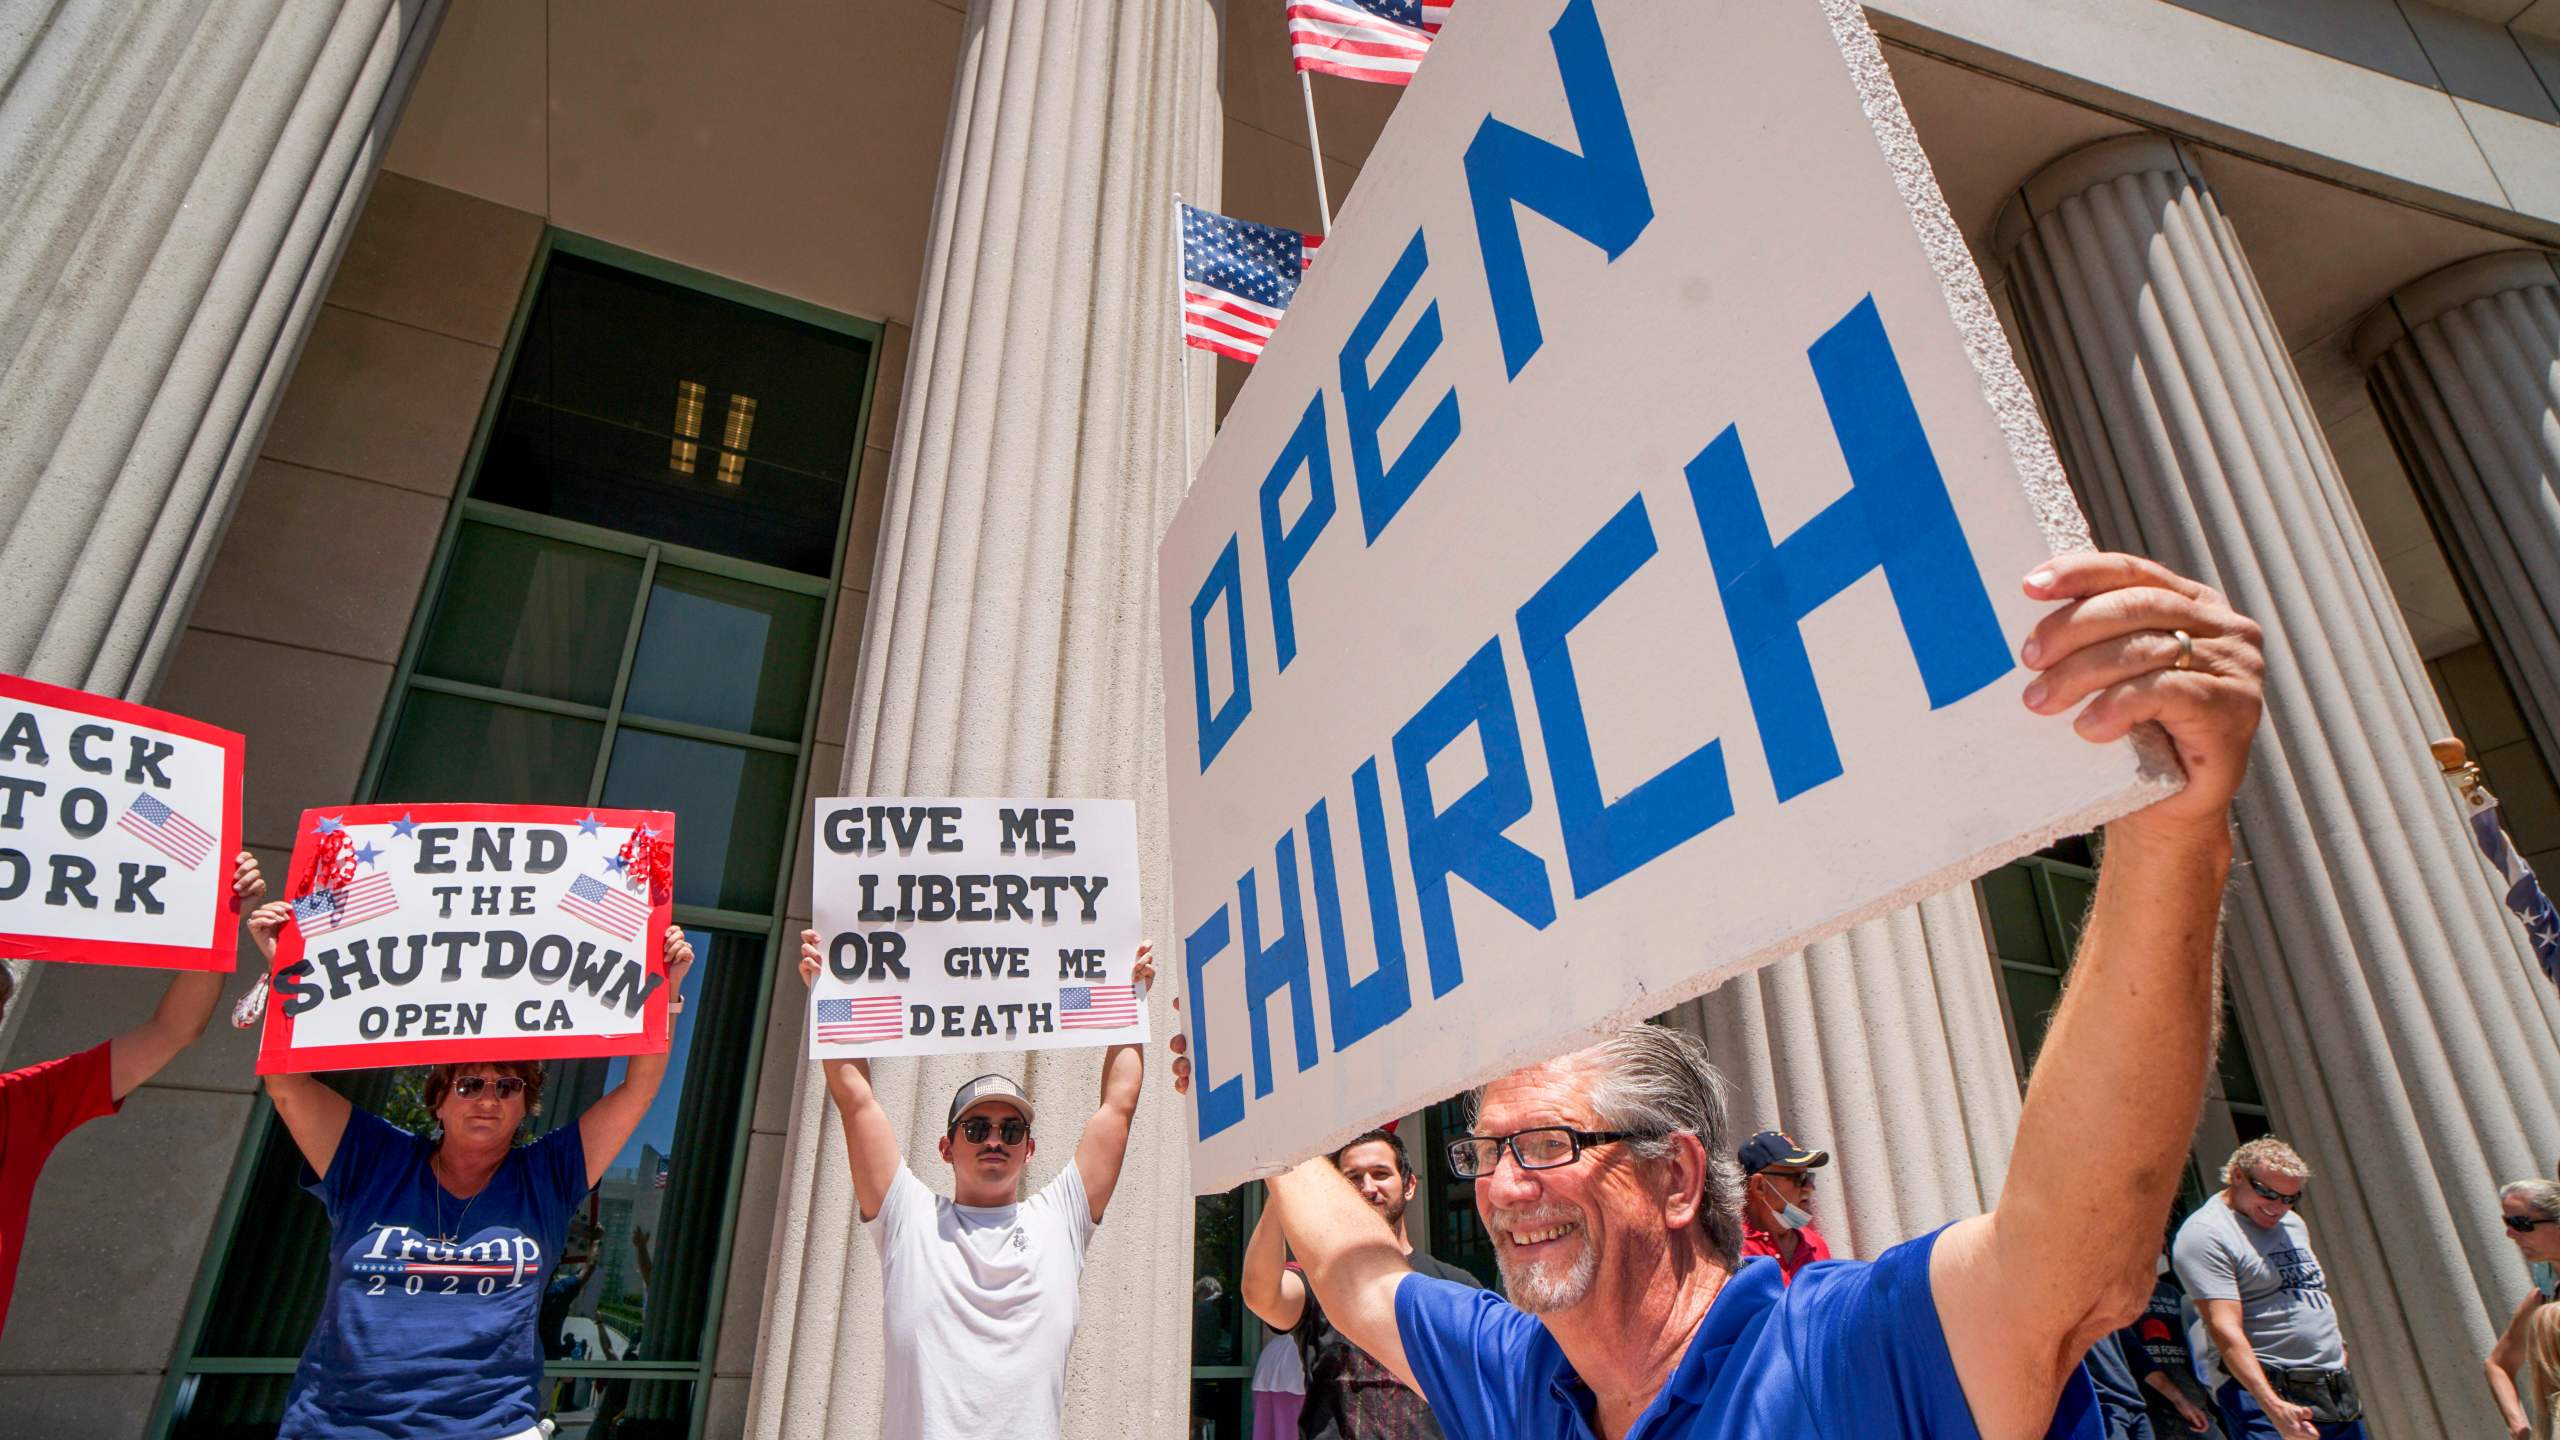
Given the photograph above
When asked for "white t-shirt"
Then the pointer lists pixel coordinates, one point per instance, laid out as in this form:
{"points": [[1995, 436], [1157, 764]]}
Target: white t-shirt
{"points": [[978, 1308]]}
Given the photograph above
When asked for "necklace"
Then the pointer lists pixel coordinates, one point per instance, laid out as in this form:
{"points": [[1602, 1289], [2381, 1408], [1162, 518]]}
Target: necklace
{"points": [[447, 1237]]}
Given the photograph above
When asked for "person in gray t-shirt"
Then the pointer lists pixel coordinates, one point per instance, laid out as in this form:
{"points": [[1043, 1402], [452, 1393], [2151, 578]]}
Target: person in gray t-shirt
{"points": [[2245, 1257]]}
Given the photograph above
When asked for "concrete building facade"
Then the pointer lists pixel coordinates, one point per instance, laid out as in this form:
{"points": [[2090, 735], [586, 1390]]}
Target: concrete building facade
{"points": [[718, 406]]}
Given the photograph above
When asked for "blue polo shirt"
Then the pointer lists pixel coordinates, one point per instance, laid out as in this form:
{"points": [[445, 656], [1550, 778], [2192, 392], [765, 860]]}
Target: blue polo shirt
{"points": [[1848, 1349]]}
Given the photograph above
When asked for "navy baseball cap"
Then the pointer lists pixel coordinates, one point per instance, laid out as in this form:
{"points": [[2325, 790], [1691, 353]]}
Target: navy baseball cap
{"points": [[1777, 1147]]}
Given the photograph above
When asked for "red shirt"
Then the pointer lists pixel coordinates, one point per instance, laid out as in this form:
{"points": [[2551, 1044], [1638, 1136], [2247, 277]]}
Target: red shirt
{"points": [[38, 1106], [1809, 1248]]}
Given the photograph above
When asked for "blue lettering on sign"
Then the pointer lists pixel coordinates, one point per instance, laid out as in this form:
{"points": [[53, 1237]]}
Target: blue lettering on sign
{"points": [[1359, 1009], [1466, 840], [1224, 583], [1897, 515], [1281, 965], [1603, 841], [1285, 547], [1599, 194], [1222, 1101], [1366, 403]]}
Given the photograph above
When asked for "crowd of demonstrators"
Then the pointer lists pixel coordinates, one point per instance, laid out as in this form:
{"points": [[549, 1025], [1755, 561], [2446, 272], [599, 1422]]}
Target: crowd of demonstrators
{"points": [[2246, 1258], [1777, 1191], [442, 1246], [981, 1272], [1349, 1395], [2530, 1345], [42, 1103]]}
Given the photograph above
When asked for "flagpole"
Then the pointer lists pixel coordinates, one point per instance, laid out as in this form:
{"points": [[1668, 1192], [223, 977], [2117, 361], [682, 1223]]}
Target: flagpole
{"points": [[1183, 342], [1315, 149]]}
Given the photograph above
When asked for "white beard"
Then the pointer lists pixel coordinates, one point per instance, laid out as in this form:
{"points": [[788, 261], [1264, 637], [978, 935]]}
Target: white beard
{"points": [[1544, 1286]]}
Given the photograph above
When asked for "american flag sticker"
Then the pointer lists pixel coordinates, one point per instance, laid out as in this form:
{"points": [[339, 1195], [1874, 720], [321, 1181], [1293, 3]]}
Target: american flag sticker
{"points": [[150, 820], [1097, 1007], [366, 898], [872, 1017], [609, 908]]}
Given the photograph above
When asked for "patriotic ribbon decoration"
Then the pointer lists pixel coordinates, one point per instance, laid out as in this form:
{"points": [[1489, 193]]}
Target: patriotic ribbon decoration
{"points": [[2522, 890], [648, 861]]}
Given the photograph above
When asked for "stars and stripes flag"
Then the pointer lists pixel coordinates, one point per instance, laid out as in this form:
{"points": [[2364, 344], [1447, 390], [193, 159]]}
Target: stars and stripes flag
{"points": [[2524, 893], [150, 820], [367, 897], [868, 1017], [1237, 278], [1097, 1007], [1382, 41], [609, 908]]}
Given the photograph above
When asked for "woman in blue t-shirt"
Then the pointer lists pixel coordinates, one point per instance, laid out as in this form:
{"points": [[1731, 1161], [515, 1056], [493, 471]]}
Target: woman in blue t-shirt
{"points": [[2531, 1209], [441, 1245]]}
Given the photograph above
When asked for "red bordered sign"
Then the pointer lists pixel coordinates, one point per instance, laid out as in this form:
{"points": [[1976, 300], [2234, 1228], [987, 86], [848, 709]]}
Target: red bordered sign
{"points": [[117, 827], [443, 934]]}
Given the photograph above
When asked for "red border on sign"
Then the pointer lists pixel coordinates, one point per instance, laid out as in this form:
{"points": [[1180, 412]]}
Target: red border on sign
{"points": [[220, 952], [276, 1052]]}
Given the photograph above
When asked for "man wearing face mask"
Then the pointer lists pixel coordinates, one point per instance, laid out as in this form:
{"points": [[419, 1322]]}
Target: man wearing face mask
{"points": [[1777, 1193]]}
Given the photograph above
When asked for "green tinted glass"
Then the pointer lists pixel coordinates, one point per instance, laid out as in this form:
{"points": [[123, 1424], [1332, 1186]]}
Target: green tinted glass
{"points": [[536, 616], [447, 747], [731, 807], [726, 654]]}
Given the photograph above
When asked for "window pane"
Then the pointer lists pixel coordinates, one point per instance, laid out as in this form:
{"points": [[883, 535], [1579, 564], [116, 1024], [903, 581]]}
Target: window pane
{"points": [[541, 617], [2071, 894], [726, 654], [2032, 996], [731, 806], [2017, 919], [590, 1409], [1457, 1231], [2239, 1077], [661, 411], [229, 1407], [1218, 1410], [635, 1281], [450, 748], [1217, 1259]]}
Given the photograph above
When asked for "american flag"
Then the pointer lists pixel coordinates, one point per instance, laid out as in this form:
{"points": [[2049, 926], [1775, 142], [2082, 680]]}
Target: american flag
{"points": [[610, 909], [1378, 40], [1098, 1007], [2524, 892], [1237, 278], [368, 897], [872, 1017], [152, 822]]}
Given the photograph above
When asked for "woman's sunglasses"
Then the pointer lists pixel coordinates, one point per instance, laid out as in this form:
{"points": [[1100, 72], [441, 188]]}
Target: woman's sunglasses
{"points": [[2527, 1224], [509, 1086]]}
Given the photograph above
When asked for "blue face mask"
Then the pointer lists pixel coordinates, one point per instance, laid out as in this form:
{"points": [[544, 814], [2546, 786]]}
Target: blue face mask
{"points": [[1793, 1218]]}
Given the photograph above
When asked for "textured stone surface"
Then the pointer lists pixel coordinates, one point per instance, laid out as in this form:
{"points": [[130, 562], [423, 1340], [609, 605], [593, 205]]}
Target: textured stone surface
{"points": [[2382, 986], [1040, 438]]}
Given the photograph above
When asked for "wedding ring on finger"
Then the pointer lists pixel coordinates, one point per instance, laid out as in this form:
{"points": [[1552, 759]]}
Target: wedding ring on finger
{"points": [[2186, 650]]}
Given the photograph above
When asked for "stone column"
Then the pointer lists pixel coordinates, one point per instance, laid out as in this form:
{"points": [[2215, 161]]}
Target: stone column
{"points": [[2465, 368], [1011, 642], [2408, 1047], [1885, 1047]]}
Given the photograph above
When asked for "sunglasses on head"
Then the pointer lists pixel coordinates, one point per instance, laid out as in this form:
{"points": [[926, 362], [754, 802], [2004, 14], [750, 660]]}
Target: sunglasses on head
{"points": [[2527, 1224], [976, 1128], [509, 1086], [2277, 1196]]}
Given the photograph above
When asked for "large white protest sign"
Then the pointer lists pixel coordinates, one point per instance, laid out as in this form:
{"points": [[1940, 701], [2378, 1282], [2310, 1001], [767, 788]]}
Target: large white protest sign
{"points": [[117, 828], [439, 934], [955, 926], [1610, 578]]}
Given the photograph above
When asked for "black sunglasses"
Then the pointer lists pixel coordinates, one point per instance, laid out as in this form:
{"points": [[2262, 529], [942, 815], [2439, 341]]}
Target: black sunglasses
{"points": [[509, 1086], [2527, 1224], [2277, 1196], [975, 1129]]}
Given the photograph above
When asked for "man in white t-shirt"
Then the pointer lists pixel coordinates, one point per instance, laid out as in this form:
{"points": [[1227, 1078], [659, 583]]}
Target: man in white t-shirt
{"points": [[978, 1302]]}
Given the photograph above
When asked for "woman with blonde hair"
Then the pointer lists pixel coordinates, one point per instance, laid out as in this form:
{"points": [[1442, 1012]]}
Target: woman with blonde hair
{"points": [[2531, 1344]]}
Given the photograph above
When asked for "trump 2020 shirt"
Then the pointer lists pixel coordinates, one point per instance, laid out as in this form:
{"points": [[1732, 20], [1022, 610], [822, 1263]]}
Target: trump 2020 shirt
{"points": [[1847, 1349], [424, 1335]]}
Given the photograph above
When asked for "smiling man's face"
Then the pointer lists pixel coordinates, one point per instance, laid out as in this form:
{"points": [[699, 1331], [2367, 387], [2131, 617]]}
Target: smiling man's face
{"points": [[1556, 1232]]}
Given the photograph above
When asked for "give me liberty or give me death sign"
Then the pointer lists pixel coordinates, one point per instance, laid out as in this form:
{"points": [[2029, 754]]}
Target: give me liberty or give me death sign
{"points": [[1609, 580], [440, 934], [957, 926], [117, 828]]}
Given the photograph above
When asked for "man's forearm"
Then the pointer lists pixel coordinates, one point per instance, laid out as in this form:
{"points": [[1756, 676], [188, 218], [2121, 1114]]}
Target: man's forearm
{"points": [[1351, 1258], [1124, 1070], [1265, 1262], [2240, 1362]]}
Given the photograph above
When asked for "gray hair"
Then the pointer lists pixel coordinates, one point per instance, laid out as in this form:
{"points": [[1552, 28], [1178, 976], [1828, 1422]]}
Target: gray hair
{"points": [[1658, 1082], [2542, 1195]]}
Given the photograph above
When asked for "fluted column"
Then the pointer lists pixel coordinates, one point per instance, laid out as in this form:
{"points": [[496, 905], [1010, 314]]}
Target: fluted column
{"points": [[2406, 1045], [2465, 368], [1011, 642], [1883, 1046]]}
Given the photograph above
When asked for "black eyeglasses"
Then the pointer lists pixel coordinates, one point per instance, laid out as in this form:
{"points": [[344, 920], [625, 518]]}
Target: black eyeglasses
{"points": [[509, 1086], [976, 1127], [1543, 1148], [2277, 1196], [2527, 1224]]}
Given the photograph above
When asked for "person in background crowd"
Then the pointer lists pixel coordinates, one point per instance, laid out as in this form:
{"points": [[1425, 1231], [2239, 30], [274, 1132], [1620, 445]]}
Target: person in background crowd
{"points": [[1615, 1207], [2531, 1210], [1279, 1390], [1349, 1395], [984, 1277], [1777, 1201], [2155, 1346], [2246, 1257], [42, 1103], [441, 1246]]}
